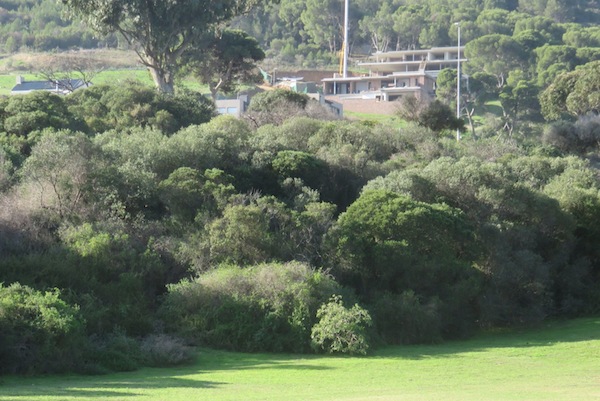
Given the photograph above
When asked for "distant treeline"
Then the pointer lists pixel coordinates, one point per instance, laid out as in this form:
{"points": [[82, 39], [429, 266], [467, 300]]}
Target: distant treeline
{"points": [[309, 33], [40, 25]]}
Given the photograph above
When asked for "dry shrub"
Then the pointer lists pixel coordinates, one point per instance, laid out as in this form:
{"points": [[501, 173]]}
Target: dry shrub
{"points": [[319, 112], [165, 350], [24, 224], [268, 307]]}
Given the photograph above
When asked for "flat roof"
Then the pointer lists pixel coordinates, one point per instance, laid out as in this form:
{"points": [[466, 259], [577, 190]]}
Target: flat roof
{"points": [[382, 66], [395, 74], [346, 78], [417, 51]]}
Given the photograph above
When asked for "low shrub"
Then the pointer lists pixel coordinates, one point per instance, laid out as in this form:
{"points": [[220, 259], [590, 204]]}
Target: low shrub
{"points": [[115, 352], [341, 329], [164, 350]]}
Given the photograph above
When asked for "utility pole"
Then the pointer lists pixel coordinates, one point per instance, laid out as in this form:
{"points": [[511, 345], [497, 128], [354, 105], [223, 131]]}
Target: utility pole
{"points": [[458, 81], [345, 44]]}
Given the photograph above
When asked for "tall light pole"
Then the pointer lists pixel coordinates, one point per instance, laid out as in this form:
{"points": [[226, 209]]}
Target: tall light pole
{"points": [[345, 43], [458, 81]]}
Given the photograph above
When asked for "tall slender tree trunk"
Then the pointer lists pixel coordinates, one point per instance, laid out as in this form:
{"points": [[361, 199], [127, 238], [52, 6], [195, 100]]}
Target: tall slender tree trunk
{"points": [[469, 115], [214, 89], [163, 80]]}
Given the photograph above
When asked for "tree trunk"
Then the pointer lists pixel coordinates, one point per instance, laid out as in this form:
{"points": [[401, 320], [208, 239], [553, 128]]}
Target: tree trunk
{"points": [[469, 115], [163, 80], [214, 89]]}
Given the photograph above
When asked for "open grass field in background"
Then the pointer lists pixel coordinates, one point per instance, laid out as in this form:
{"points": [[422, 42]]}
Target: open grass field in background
{"points": [[558, 361], [8, 81], [112, 66]]}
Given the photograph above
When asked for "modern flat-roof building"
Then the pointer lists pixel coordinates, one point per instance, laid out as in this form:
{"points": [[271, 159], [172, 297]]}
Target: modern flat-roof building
{"points": [[395, 74]]}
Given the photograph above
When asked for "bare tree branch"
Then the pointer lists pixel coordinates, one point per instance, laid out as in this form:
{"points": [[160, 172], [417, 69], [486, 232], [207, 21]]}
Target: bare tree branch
{"points": [[69, 72]]}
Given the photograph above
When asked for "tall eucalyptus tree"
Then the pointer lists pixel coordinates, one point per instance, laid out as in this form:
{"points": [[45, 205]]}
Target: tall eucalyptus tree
{"points": [[161, 31]]}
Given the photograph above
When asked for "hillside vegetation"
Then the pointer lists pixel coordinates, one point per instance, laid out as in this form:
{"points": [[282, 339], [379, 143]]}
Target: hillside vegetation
{"points": [[129, 214], [136, 223]]}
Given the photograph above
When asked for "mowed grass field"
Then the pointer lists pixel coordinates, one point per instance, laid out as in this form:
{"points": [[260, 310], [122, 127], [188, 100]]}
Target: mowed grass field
{"points": [[8, 81], [559, 361], [110, 67]]}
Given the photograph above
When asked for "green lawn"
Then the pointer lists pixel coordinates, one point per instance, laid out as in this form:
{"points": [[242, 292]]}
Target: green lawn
{"points": [[378, 118], [8, 81], [558, 362], [142, 75]]}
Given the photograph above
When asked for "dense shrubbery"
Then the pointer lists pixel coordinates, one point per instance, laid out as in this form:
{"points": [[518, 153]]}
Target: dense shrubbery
{"points": [[140, 239], [277, 106], [580, 137], [96, 110], [387, 242], [268, 307], [39, 332], [105, 107], [526, 239]]}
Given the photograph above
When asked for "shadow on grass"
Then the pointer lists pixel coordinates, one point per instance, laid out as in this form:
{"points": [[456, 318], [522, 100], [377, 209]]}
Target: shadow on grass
{"points": [[546, 334], [211, 360], [98, 387], [139, 383]]}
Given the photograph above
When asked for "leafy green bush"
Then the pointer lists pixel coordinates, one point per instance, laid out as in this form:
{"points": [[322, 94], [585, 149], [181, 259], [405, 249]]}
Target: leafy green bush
{"points": [[580, 137], [437, 117], [39, 332], [562, 135], [341, 329], [22, 115], [115, 352], [276, 106], [182, 193], [294, 164], [117, 278], [60, 167], [293, 134], [389, 242], [106, 107], [267, 101], [187, 192], [221, 143]]}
